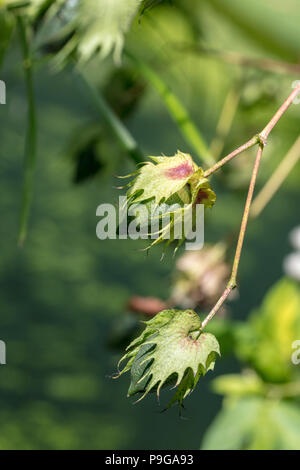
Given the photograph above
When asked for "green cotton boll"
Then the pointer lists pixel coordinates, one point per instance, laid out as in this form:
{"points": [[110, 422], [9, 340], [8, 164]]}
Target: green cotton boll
{"points": [[171, 351], [164, 195], [163, 178], [155, 219], [103, 24], [95, 26]]}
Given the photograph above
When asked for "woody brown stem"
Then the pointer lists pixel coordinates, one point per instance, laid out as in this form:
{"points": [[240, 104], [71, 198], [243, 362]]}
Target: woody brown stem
{"points": [[259, 138], [232, 282], [262, 140]]}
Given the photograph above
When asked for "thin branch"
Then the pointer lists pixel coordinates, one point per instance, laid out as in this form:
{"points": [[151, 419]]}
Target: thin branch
{"points": [[245, 218], [262, 139], [277, 178], [232, 282], [266, 131], [259, 138], [230, 156], [216, 307]]}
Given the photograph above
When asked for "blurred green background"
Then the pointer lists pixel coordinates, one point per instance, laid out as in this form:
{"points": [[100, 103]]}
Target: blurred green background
{"points": [[65, 292]]}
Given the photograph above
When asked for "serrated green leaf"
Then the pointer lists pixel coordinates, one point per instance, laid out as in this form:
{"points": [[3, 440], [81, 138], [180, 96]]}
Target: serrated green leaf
{"points": [[171, 350]]}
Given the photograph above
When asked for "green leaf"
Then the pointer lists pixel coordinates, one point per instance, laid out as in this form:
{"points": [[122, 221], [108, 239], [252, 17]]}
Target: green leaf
{"points": [[255, 424], [266, 340], [287, 418], [231, 427], [171, 350]]}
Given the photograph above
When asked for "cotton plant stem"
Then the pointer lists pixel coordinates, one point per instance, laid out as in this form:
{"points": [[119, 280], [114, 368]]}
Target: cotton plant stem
{"points": [[232, 282], [230, 156], [259, 138], [30, 143], [216, 307], [276, 180], [262, 140], [287, 103], [126, 140]]}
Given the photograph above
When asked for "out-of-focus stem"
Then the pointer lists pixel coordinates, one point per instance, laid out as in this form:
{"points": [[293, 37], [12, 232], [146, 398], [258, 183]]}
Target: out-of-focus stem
{"points": [[287, 390], [225, 121], [124, 137], [235, 58], [30, 143], [177, 110]]}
